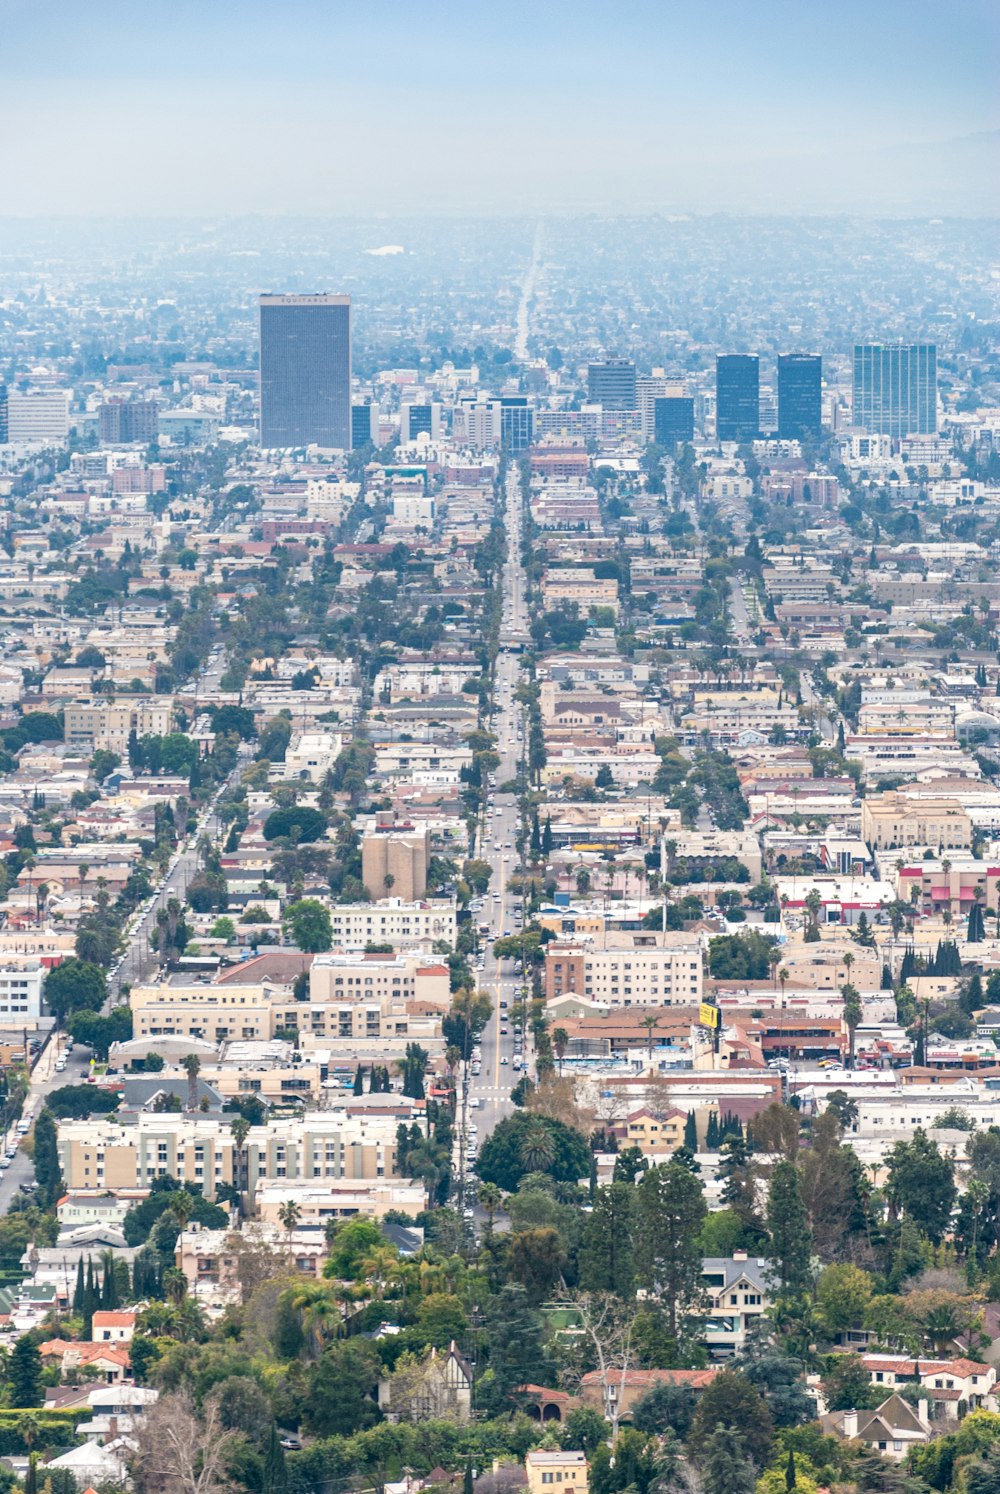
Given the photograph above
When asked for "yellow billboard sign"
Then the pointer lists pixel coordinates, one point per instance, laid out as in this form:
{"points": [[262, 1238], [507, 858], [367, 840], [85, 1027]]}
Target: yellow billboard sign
{"points": [[708, 1016]]}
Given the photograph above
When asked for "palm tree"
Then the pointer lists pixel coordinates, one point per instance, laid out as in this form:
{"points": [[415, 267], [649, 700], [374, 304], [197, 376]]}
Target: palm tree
{"points": [[192, 1067], [175, 1285], [852, 1015], [651, 1023], [240, 1131], [381, 1265], [490, 1200], [537, 1150], [289, 1215], [318, 1307], [181, 1207], [560, 1042], [28, 1429], [782, 977]]}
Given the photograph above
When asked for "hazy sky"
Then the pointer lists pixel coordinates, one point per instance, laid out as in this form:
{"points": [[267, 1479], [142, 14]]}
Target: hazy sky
{"points": [[379, 106]]}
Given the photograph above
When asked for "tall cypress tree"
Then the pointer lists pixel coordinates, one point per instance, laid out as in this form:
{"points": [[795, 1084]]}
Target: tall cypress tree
{"points": [[78, 1291], [24, 1373], [691, 1132], [275, 1480], [47, 1172], [791, 1239], [606, 1251]]}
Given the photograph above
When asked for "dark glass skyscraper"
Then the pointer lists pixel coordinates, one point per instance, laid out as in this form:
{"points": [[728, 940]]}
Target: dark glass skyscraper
{"points": [[800, 395], [305, 371], [895, 388], [737, 397], [612, 384], [673, 420], [517, 423]]}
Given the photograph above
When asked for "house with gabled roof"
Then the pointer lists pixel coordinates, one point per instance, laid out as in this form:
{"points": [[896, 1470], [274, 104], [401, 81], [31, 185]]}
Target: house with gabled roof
{"points": [[892, 1428]]}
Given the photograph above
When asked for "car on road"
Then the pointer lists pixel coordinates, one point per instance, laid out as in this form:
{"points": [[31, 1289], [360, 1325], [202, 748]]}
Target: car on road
{"points": [[503, 1058]]}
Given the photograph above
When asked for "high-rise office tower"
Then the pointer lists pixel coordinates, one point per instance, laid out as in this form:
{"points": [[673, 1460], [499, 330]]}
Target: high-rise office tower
{"points": [[305, 371], [895, 388], [419, 420], [3, 415], [517, 423], [673, 420], [364, 425], [737, 397], [611, 384], [800, 395]]}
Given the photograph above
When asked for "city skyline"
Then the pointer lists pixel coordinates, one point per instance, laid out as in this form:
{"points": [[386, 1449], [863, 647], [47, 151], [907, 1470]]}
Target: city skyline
{"points": [[568, 94]]}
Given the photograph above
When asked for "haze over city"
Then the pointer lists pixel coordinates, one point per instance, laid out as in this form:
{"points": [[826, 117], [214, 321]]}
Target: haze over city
{"points": [[650, 105]]}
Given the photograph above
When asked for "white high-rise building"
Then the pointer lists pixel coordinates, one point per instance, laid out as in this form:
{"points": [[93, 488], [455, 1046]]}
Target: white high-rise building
{"points": [[38, 417]]}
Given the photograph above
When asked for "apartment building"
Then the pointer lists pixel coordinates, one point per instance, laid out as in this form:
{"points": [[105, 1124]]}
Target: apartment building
{"points": [[91, 725], [21, 994], [894, 819], [216, 1014], [311, 754], [102, 1156], [345, 977], [646, 969], [396, 858], [393, 921], [581, 586]]}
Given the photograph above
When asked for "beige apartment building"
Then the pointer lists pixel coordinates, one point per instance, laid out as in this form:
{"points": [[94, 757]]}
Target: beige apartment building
{"points": [[352, 997], [895, 819], [646, 969], [580, 586], [99, 1155], [395, 860], [93, 725], [342, 976], [392, 921]]}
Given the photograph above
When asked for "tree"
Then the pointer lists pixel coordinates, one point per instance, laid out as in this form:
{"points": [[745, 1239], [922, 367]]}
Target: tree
{"points": [[414, 1067], [275, 1477], [341, 1392], [791, 1243], [776, 1375], [842, 1294], [725, 1469], [176, 1452], [853, 1013], [535, 1259], [847, 1385], [514, 1347], [300, 823], [289, 1215], [670, 1211], [606, 1258], [730, 1400], [24, 1373], [47, 1172], [664, 1408], [309, 924], [503, 1161], [921, 1185], [74, 985]]}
